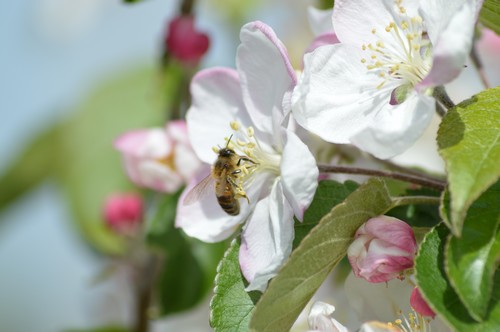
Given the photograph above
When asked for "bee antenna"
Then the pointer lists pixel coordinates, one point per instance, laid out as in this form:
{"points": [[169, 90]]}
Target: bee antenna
{"points": [[229, 140]]}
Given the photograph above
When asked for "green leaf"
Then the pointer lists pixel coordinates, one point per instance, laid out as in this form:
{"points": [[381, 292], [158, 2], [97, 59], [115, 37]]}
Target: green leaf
{"points": [[468, 140], [438, 292], [490, 15], [328, 194], [474, 257], [231, 306], [316, 256]]}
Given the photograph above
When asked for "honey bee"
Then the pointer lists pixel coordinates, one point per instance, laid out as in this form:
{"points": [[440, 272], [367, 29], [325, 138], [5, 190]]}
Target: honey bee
{"points": [[224, 178]]}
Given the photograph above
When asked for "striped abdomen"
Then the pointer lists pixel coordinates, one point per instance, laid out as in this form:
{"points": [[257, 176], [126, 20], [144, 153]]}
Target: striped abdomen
{"points": [[228, 202]]}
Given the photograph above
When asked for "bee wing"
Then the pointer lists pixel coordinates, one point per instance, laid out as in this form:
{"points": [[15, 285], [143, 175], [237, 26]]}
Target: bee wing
{"points": [[199, 191]]}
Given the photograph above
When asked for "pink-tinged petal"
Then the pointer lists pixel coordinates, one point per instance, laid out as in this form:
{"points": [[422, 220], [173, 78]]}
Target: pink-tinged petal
{"points": [[437, 15], [451, 46], [320, 20], [418, 303], [157, 176], [299, 174], [177, 131], [337, 97], [205, 219], [393, 231], [216, 101], [265, 73], [151, 143], [321, 40], [187, 163], [353, 21], [267, 239], [396, 127]]}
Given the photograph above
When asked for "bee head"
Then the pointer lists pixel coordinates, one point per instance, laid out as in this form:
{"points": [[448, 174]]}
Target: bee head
{"points": [[226, 152]]}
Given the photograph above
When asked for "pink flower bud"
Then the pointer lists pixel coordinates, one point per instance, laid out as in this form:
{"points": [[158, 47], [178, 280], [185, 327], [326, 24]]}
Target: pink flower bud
{"points": [[418, 303], [382, 249], [184, 42], [123, 213], [159, 159]]}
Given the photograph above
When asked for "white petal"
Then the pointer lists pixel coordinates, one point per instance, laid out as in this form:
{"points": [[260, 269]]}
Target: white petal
{"points": [[145, 143], [320, 20], [216, 101], [396, 127], [320, 319], [267, 239], [299, 174], [353, 21], [452, 42], [205, 219], [437, 15], [337, 96], [265, 73]]}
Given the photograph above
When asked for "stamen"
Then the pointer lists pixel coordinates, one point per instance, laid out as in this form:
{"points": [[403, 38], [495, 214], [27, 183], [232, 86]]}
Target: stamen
{"points": [[250, 131], [215, 149], [235, 125]]}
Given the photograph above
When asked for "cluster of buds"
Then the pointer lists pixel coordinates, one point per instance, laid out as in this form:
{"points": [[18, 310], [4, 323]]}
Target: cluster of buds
{"points": [[184, 42], [123, 213]]}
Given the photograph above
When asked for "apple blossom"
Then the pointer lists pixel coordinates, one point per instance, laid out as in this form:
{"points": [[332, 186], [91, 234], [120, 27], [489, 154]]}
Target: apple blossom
{"points": [[320, 319], [184, 42], [374, 88], [159, 159], [418, 303], [123, 212], [251, 104], [383, 247]]}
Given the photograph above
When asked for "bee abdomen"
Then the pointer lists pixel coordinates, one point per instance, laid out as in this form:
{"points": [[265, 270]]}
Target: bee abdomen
{"points": [[229, 204]]}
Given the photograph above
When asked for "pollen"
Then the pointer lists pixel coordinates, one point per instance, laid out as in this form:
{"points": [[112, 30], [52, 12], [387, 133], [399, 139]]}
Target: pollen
{"points": [[363, 60], [240, 142], [374, 31], [250, 131]]}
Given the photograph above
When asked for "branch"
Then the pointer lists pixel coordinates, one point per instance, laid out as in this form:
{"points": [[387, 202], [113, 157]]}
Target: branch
{"points": [[420, 180]]}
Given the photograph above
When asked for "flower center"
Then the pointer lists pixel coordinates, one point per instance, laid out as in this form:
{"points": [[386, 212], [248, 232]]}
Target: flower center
{"points": [[414, 322], [400, 51]]}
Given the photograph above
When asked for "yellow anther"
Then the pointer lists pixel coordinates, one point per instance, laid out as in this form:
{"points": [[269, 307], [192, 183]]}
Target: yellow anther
{"points": [[380, 43], [417, 19], [398, 321], [363, 60], [409, 37], [392, 25], [374, 31], [373, 56], [378, 64], [250, 132], [416, 47], [240, 142], [388, 28], [215, 149], [248, 152], [381, 74], [402, 10], [363, 47], [235, 125], [404, 25], [250, 145]]}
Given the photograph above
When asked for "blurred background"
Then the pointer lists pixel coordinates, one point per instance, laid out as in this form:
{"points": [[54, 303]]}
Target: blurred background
{"points": [[74, 75]]}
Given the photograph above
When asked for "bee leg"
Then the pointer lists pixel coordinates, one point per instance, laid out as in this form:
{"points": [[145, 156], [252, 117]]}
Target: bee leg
{"points": [[245, 159], [242, 195]]}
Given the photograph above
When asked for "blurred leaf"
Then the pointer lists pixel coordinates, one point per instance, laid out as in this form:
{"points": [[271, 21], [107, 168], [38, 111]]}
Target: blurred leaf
{"points": [[490, 15], [186, 276], [316, 256], [438, 292], [231, 305], [473, 258], [418, 215], [468, 140], [35, 164], [328, 194], [325, 4]]}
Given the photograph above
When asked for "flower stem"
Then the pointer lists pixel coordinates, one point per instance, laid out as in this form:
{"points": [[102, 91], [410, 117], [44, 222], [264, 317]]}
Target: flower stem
{"points": [[416, 179], [415, 200], [442, 96], [440, 109], [476, 61]]}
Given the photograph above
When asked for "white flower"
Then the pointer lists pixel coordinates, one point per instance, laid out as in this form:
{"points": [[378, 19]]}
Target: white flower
{"points": [[252, 104], [320, 319], [373, 89], [159, 158]]}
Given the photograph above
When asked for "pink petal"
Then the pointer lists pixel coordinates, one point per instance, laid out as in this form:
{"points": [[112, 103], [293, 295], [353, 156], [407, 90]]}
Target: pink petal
{"points": [[265, 72]]}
